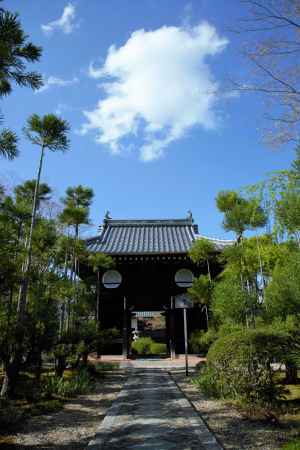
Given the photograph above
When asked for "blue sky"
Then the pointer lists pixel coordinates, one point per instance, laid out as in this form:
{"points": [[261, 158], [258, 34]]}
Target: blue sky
{"points": [[153, 131]]}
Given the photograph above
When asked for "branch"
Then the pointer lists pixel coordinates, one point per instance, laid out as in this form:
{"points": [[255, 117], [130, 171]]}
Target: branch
{"points": [[274, 77], [273, 14]]}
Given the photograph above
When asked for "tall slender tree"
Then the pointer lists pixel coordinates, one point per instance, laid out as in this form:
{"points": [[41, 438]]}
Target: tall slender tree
{"points": [[48, 133]]}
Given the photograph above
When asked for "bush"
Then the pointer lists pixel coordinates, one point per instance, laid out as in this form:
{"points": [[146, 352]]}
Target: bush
{"points": [[201, 340], [207, 382], [158, 348], [294, 445], [142, 346], [239, 367], [80, 384], [146, 346]]}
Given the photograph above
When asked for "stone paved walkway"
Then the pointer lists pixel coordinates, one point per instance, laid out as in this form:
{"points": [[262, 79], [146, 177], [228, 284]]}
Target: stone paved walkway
{"points": [[151, 413]]}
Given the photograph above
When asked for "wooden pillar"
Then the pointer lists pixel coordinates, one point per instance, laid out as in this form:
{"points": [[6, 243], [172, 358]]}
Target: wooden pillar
{"points": [[172, 330], [125, 331]]}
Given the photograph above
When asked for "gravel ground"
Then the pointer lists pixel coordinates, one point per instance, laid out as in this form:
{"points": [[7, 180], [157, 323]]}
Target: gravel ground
{"points": [[72, 427], [234, 431]]}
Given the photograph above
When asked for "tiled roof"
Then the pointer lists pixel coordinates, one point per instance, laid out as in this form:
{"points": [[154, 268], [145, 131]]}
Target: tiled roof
{"points": [[121, 237], [143, 237], [219, 244]]}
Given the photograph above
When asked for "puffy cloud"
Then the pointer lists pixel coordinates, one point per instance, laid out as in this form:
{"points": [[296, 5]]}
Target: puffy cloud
{"points": [[156, 87], [65, 23], [55, 81]]}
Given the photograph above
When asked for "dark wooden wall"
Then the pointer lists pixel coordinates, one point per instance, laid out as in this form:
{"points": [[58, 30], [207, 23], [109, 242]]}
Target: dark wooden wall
{"points": [[149, 285]]}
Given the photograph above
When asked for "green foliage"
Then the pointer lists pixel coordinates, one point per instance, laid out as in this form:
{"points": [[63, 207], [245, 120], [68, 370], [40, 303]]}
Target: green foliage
{"points": [[16, 51], [68, 387], [240, 366], [48, 131], [231, 301], [201, 340], [207, 381], [288, 210], [240, 214], [8, 144], [294, 445], [282, 295], [99, 261], [201, 290], [25, 193], [144, 346], [201, 250], [158, 348]]}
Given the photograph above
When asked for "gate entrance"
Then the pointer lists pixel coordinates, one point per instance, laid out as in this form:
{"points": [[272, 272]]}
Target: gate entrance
{"points": [[149, 324], [151, 268]]}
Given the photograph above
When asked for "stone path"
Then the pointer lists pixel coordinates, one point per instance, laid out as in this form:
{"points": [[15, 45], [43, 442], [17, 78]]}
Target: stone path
{"points": [[151, 413]]}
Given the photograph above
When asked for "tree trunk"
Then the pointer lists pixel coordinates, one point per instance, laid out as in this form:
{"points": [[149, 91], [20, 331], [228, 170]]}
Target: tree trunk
{"points": [[22, 300], [208, 270], [85, 358], [60, 365], [13, 367], [205, 309], [291, 375], [98, 315], [11, 373]]}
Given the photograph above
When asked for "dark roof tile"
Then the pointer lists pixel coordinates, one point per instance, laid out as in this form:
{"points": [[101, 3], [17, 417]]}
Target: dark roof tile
{"points": [[121, 237]]}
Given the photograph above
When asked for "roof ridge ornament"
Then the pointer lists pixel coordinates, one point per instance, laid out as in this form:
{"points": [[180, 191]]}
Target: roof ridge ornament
{"points": [[107, 217], [190, 216]]}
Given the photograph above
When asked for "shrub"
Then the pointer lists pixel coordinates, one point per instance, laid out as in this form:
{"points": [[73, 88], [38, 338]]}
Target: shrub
{"points": [[80, 384], [142, 346], [146, 346], [294, 445], [157, 348], [239, 366], [207, 382], [201, 340]]}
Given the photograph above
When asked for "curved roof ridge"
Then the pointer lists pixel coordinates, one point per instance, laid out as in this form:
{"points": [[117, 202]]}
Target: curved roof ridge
{"points": [[216, 240], [116, 222]]}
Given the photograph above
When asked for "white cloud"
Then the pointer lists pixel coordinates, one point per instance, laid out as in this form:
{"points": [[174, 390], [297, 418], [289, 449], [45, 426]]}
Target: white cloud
{"points": [[65, 23], [55, 81], [156, 87]]}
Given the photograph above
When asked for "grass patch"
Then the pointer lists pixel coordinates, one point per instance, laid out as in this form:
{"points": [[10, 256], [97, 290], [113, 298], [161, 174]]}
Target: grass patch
{"points": [[103, 366], [293, 445]]}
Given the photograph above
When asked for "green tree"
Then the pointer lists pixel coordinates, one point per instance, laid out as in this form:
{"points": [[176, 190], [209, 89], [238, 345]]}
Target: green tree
{"points": [[48, 133], [25, 193], [282, 295], [76, 211], [201, 251], [15, 52], [201, 292], [8, 144], [240, 214], [231, 302]]}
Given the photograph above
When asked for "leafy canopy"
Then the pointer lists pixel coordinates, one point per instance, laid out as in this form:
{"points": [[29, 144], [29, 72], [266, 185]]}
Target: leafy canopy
{"points": [[15, 52], [201, 250], [48, 131], [240, 214]]}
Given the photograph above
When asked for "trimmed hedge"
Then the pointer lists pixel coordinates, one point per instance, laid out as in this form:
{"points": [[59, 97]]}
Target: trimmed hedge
{"points": [[239, 367], [146, 346]]}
